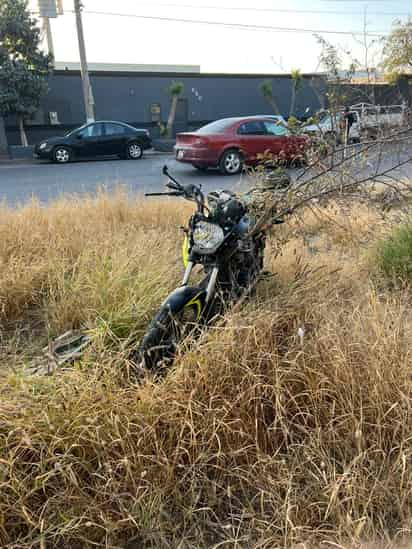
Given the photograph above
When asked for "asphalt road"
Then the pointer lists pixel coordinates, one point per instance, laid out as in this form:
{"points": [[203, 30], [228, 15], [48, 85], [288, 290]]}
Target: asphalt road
{"points": [[19, 182]]}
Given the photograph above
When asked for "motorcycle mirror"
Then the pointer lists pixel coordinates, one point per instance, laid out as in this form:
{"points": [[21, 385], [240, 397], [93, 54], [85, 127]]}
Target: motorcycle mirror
{"points": [[165, 170]]}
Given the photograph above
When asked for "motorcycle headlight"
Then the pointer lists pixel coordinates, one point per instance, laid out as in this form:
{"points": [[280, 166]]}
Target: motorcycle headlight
{"points": [[208, 236]]}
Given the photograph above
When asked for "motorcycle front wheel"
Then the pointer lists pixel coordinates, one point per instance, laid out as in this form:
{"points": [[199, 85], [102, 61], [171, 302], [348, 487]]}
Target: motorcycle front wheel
{"points": [[166, 331]]}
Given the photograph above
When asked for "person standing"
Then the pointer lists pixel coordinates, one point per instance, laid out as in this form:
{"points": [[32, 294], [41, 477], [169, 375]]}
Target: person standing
{"points": [[349, 119]]}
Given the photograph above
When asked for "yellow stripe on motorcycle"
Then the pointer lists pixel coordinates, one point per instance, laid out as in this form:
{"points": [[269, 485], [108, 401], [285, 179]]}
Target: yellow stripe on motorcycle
{"points": [[196, 301], [185, 251]]}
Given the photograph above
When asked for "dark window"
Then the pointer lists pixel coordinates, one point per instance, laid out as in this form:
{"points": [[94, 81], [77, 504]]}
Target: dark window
{"points": [[93, 130], [115, 129], [275, 129], [252, 128], [216, 127]]}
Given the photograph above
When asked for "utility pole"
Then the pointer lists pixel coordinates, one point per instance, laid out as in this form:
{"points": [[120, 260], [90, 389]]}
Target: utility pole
{"points": [[49, 9], [49, 36], [87, 89]]}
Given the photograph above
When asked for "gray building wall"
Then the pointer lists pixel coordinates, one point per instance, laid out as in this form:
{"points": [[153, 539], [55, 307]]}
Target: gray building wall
{"points": [[128, 97]]}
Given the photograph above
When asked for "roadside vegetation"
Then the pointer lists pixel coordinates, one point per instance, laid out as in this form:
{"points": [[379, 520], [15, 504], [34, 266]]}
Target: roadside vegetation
{"points": [[290, 421], [394, 254]]}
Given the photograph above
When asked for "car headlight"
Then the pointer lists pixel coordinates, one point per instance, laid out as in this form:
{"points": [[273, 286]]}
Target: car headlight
{"points": [[208, 236], [43, 146]]}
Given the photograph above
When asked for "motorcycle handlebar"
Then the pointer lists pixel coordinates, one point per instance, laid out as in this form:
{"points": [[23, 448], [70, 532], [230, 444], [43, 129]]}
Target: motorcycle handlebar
{"points": [[164, 194], [189, 191]]}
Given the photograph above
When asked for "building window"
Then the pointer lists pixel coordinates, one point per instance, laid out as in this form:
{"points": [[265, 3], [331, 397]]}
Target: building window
{"points": [[155, 112]]}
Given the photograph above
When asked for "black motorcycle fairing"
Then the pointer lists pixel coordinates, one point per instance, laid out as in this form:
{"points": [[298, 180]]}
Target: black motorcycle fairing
{"points": [[225, 208], [182, 296], [243, 226]]}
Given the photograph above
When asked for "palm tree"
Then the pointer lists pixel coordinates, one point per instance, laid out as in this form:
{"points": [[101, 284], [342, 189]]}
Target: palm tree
{"points": [[266, 91], [174, 90], [297, 80]]}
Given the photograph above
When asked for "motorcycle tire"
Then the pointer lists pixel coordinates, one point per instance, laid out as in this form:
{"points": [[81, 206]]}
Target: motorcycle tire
{"points": [[158, 346]]}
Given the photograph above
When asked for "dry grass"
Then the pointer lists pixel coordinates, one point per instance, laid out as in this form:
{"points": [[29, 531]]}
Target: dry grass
{"points": [[258, 438]]}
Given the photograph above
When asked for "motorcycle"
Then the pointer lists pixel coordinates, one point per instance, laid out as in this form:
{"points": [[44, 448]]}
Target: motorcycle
{"points": [[224, 239]]}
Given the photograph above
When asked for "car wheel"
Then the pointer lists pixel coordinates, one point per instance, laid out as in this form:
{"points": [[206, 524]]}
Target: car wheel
{"points": [[231, 162], [62, 155], [134, 151], [200, 168]]}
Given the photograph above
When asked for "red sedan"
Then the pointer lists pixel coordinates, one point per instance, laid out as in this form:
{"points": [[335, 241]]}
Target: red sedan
{"points": [[230, 143]]}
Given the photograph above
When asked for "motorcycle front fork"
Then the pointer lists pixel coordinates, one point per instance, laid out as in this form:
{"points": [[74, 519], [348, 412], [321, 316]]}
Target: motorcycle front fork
{"points": [[211, 285]]}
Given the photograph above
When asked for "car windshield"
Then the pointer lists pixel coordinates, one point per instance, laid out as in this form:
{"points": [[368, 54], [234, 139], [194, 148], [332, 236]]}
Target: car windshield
{"points": [[215, 127]]}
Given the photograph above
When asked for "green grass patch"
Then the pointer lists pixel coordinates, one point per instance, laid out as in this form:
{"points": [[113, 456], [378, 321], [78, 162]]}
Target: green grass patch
{"points": [[394, 254]]}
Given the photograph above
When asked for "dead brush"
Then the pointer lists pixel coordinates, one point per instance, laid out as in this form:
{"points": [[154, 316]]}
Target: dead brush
{"points": [[288, 423], [259, 437]]}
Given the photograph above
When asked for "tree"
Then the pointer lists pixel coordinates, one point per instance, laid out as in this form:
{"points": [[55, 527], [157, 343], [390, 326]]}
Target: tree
{"points": [[297, 81], [397, 51], [266, 91], [337, 78], [24, 68], [175, 90]]}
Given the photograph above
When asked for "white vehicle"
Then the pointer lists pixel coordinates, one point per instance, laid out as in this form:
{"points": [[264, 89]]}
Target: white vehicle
{"points": [[368, 120]]}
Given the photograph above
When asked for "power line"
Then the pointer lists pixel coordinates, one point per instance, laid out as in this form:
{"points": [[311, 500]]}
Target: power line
{"points": [[270, 10], [234, 25]]}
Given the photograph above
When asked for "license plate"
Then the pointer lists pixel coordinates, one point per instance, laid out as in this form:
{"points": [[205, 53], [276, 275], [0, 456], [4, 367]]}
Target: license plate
{"points": [[180, 155]]}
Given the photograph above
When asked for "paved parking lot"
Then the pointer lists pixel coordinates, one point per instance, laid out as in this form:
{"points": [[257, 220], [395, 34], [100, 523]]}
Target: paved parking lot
{"points": [[19, 182]]}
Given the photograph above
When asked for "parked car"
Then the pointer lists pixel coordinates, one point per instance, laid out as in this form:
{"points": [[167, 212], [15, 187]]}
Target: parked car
{"points": [[230, 143], [96, 139]]}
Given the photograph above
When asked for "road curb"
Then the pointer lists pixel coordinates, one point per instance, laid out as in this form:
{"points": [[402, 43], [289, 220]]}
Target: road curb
{"points": [[36, 161]]}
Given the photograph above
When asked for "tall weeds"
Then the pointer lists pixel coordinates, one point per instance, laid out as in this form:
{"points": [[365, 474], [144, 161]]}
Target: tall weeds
{"points": [[288, 423]]}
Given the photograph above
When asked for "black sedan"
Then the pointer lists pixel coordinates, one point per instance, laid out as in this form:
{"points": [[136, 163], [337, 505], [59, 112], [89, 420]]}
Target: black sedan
{"points": [[96, 139]]}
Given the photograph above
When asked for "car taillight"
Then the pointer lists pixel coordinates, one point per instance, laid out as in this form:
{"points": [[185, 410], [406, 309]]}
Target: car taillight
{"points": [[199, 142]]}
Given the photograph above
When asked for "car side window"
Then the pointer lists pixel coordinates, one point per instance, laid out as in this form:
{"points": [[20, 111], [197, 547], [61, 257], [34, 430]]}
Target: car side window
{"points": [[97, 130], [93, 130], [85, 132], [251, 128], [115, 129], [275, 129]]}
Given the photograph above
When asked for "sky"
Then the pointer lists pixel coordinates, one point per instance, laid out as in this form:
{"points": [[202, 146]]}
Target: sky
{"points": [[117, 35]]}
